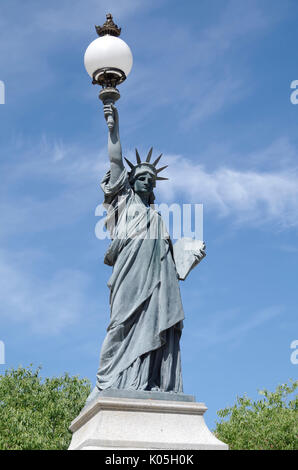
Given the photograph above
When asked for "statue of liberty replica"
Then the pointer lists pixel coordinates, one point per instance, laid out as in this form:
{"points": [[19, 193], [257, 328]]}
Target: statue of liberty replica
{"points": [[141, 350], [140, 362]]}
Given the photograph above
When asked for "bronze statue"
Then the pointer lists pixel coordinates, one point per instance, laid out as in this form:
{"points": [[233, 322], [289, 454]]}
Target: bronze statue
{"points": [[141, 349]]}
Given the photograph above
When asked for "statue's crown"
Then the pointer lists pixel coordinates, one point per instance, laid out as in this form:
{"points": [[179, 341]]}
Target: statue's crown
{"points": [[140, 167]]}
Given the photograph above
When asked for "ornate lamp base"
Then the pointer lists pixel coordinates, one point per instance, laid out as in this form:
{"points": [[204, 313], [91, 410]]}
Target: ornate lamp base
{"points": [[109, 95]]}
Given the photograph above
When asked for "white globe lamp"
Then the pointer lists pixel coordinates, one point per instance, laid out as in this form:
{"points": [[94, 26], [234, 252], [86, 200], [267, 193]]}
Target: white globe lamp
{"points": [[108, 60]]}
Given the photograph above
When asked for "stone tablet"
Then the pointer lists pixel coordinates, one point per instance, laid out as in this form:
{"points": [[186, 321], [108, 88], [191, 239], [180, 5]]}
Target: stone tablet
{"points": [[187, 255]]}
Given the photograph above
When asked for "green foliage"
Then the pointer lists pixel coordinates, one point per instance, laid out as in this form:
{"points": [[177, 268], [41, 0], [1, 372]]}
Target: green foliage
{"points": [[267, 424], [36, 413]]}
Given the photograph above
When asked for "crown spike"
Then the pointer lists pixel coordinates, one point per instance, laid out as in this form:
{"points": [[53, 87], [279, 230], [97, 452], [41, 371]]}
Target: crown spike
{"points": [[138, 158], [161, 178], [157, 160], [129, 163], [162, 168], [149, 155]]}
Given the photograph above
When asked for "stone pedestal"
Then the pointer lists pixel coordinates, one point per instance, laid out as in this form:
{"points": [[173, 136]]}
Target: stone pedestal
{"points": [[117, 423]]}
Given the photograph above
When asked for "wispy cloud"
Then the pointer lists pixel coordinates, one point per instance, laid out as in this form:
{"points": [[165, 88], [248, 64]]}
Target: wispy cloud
{"points": [[197, 66], [213, 97], [246, 196], [223, 327], [70, 174], [47, 304], [287, 248], [238, 21], [33, 38], [201, 68]]}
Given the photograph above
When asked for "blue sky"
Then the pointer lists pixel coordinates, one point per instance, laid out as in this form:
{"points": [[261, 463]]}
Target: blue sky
{"points": [[210, 88]]}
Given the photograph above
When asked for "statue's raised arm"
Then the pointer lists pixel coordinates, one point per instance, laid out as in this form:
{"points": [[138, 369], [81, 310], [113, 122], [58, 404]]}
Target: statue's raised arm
{"points": [[114, 144]]}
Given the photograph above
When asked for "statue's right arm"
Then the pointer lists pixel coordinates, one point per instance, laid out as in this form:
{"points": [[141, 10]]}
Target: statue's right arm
{"points": [[114, 144]]}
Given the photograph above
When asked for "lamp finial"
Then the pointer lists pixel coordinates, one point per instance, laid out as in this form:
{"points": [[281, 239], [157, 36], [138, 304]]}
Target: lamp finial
{"points": [[109, 27]]}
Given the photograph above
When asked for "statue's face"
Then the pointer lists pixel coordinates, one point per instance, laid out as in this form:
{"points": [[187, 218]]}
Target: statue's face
{"points": [[144, 183]]}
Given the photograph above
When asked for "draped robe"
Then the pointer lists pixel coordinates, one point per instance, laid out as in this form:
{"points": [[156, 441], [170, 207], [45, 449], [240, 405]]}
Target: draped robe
{"points": [[141, 348]]}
